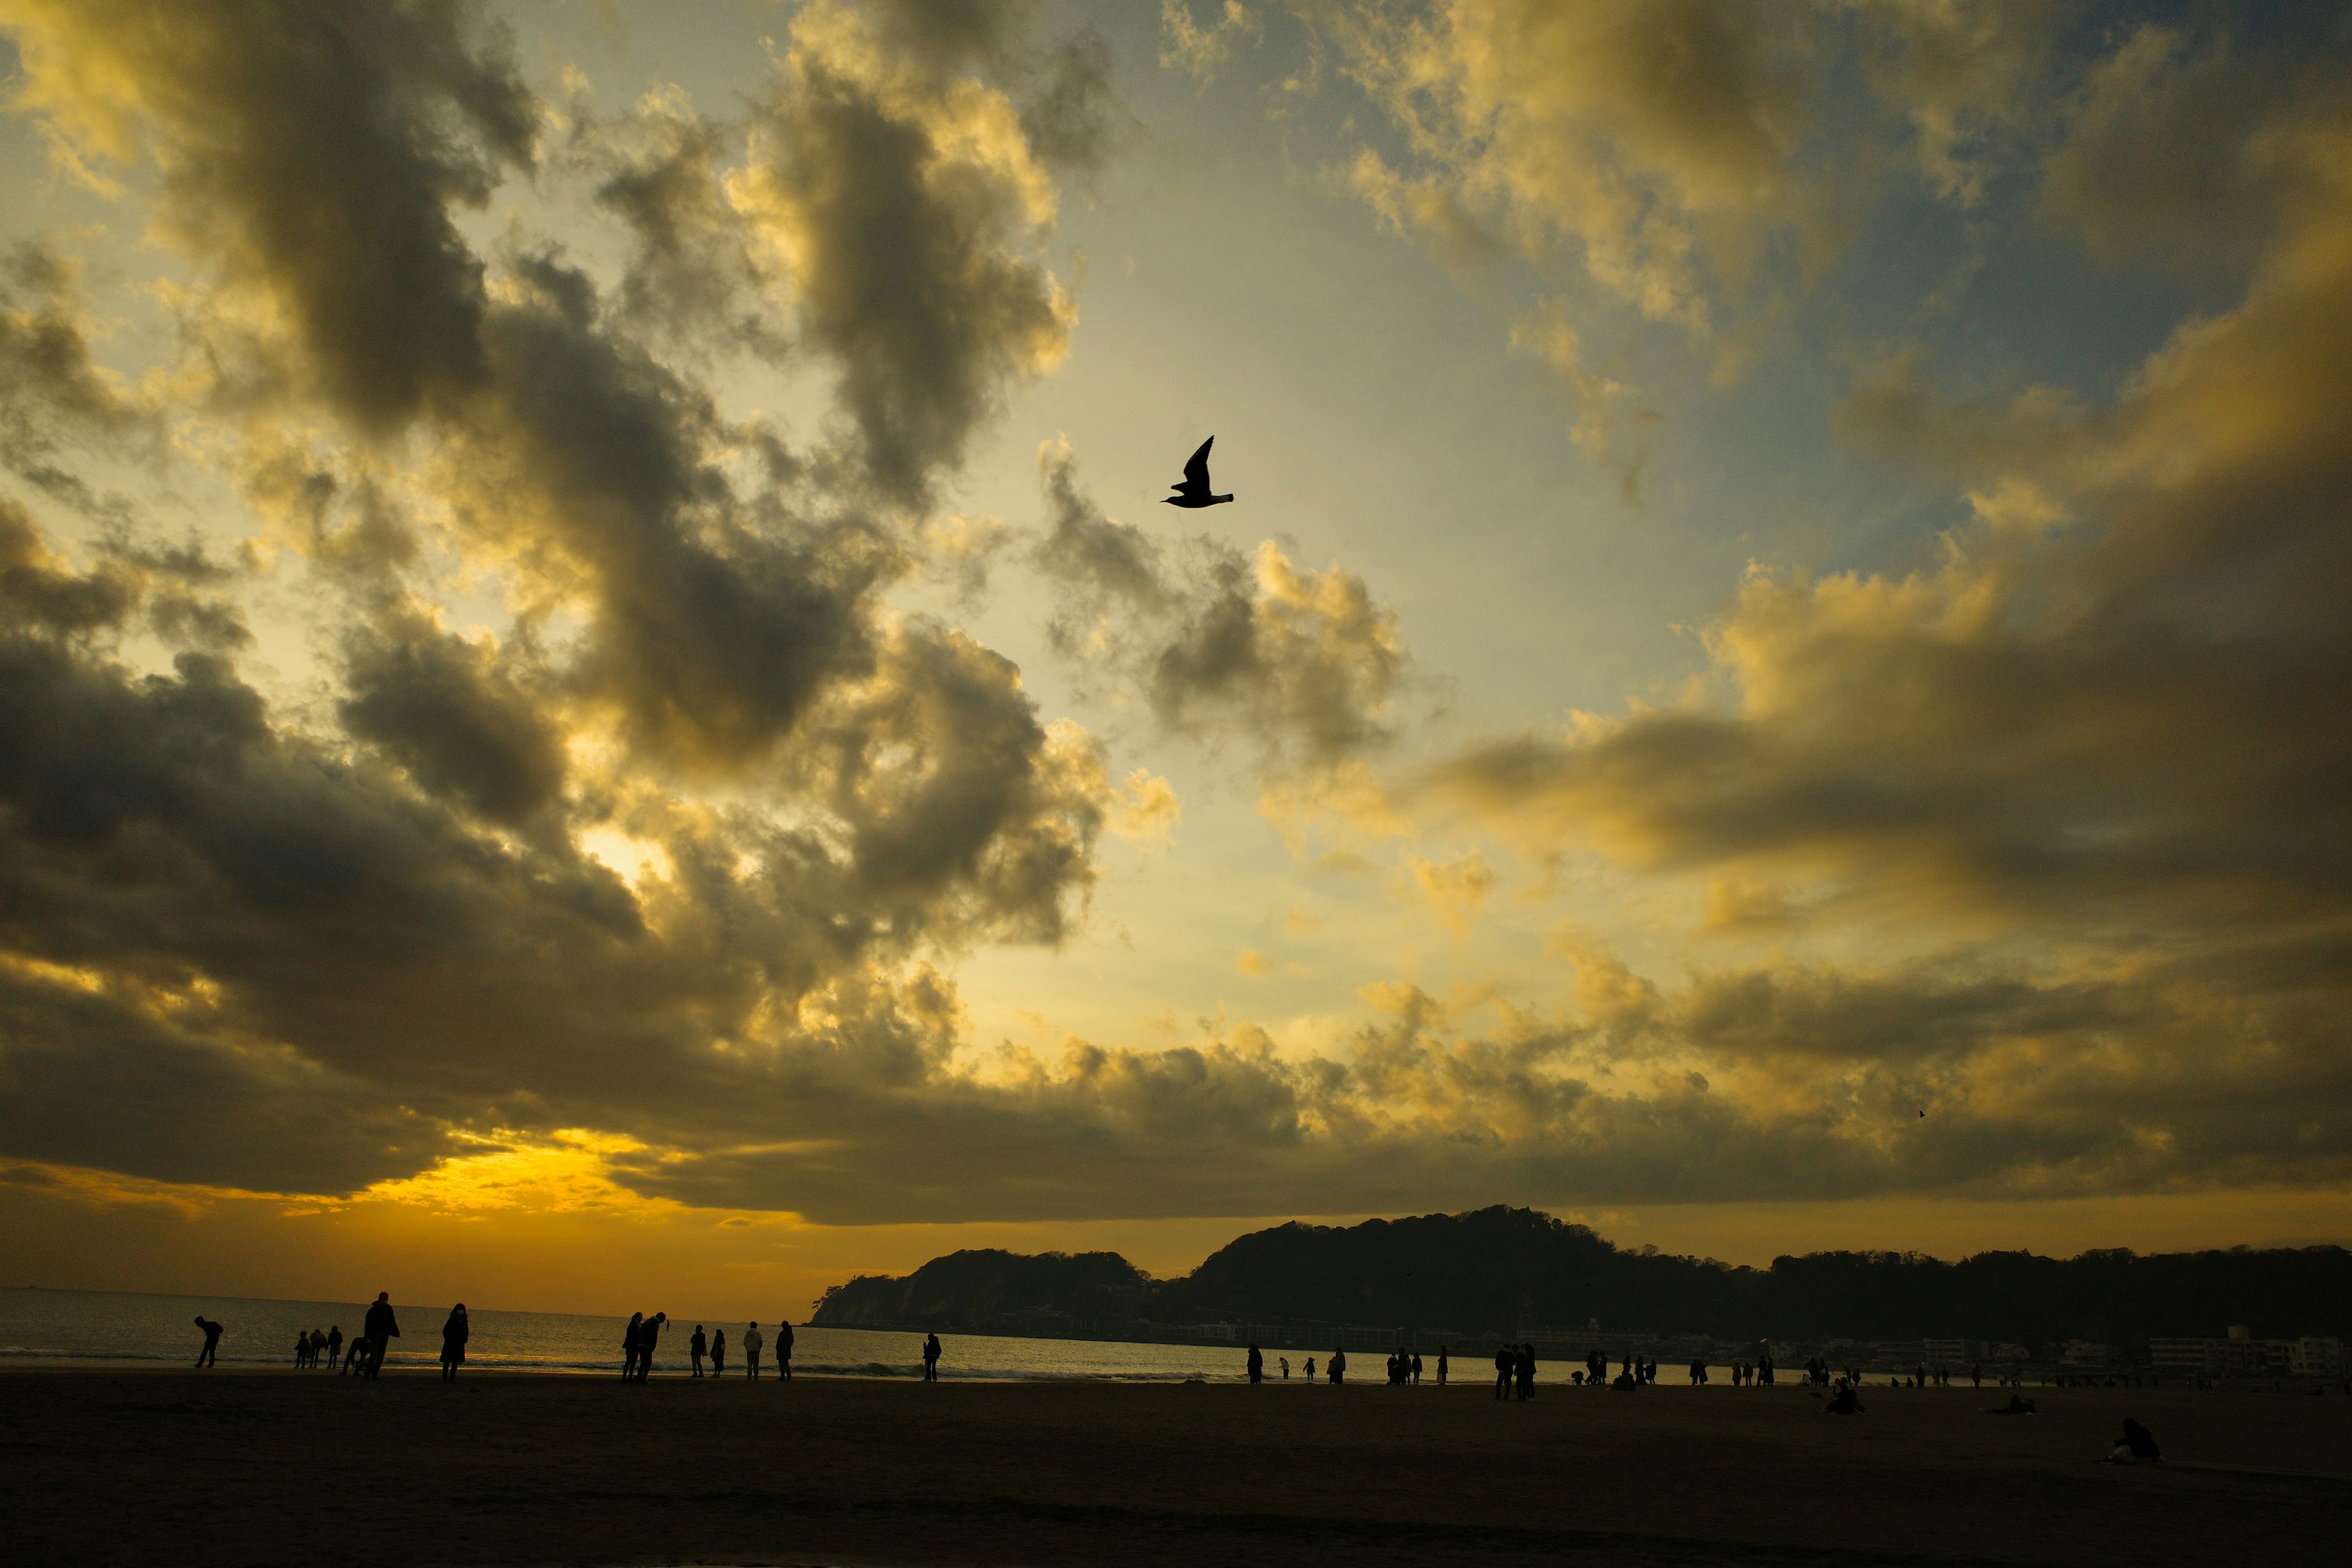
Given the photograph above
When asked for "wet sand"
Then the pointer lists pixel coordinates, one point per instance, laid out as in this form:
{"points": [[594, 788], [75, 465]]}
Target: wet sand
{"points": [[239, 1467]]}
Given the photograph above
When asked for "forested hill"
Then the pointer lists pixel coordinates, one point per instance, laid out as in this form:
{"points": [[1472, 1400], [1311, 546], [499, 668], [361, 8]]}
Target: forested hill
{"points": [[1500, 1268]]}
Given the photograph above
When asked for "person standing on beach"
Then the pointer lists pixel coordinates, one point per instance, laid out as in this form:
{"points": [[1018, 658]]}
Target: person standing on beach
{"points": [[648, 1336], [1503, 1359], [453, 1335], [1416, 1369], [205, 1357], [1284, 1361], [718, 1352], [695, 1348], [629, 1345], [1441, 1366], [751, 1343], [334, 1345], [382, 1329], [1310, 1369], [930, 1358], [1256, 1365], [1336, 1369], [784, 1349]]}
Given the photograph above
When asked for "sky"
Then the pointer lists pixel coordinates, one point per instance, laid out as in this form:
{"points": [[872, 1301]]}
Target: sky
{"points": [[597, 702]]}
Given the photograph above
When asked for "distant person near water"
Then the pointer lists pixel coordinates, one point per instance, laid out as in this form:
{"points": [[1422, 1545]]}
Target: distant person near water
{"points": [[453, 1335], [629, 1340], [382, 1329], [1256, 1365], [930, 1358], [207, 1356], [356, 1362], [697, 1348], [1336, 1369], [751, 1343], [784, 1349], [1416, 1369], [718, 1352], [334, 1345], [302, 1349], [1441, 1366]]}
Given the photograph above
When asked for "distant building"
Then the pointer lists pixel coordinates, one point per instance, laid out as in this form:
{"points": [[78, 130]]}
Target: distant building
{"points": [[2316, 1357], [2085, 1352], [1944, 1352], [2242, 1355]]}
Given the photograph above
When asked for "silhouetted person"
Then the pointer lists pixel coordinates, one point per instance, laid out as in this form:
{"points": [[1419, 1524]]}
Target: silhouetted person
{"points": [[1284, 1363], [1845, 1402], [648, 1337], [630, 1338], [1336, 1369], [930, 1358], [1524, 1366], [205, 1357], [695, 1347], [356, 1362], [1503, 1360], [302, 1349], [784, 1349], [1310, 1369], [1976, 1377], [1416, 1369], [1194, 489], [2136, 1446], [453, 1335], [334, 1345], [381, 1327], [718, 1352], [751, 1343], [1256, 1365], [1441, 1366]]}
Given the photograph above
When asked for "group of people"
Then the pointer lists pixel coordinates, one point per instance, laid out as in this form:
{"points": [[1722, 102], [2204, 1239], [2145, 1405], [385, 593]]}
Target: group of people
{"points": [[311, 1347], [1404, 1367], [645, 1333]]}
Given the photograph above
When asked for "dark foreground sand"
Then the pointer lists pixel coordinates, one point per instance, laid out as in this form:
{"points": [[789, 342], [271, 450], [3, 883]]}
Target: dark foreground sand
{"points": [[230, 1467]]}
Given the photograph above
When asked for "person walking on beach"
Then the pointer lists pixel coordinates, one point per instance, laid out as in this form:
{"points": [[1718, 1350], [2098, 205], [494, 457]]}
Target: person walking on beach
{"points": [[629, 1340], [205, 1357], [718, 1352], [695, 1348], [381, 1327], [453, 1335], [648, 1336], [1256, 1365], [930, 1358], [1416, 1369], [334, 1345], [1284, 1361], [1336, 1369], [784, 1349]]}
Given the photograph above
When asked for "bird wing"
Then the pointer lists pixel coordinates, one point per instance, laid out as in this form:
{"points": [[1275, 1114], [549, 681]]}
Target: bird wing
{"points": [[1196, 466]]}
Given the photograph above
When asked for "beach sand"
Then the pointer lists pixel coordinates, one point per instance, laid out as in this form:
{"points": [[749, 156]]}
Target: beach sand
{"points": [[245, 1467]]}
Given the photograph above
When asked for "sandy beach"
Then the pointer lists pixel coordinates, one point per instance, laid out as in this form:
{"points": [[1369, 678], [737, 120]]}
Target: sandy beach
{"points": [[141, 1467]]}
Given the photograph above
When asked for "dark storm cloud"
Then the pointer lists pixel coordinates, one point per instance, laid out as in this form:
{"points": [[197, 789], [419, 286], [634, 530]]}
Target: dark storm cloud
{"points": [[313, 149], [52, 397], [441, 708]]}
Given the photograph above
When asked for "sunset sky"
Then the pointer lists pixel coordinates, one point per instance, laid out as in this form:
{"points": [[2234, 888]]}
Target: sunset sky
{"points": [[598, 708]]}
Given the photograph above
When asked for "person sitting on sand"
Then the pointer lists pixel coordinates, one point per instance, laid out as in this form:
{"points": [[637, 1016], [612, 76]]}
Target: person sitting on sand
{"points": [[205, 1357], [2018, 1406], [453, 1335], [1845, 1402], [718, 1352], [2135, 1446], [751, 1343]]}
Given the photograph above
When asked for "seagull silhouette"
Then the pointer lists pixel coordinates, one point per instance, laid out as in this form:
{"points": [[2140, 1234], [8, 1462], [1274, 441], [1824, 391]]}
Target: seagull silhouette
{"points": [[1193, 490]]}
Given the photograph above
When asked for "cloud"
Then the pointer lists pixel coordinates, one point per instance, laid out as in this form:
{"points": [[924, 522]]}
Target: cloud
{"points": [[1300, 664], [1649, 140], [442, 707], [1186, 44]]}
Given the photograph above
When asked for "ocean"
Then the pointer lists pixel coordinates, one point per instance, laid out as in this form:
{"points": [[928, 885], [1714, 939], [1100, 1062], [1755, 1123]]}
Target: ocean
{"points": [[99, 1328]]}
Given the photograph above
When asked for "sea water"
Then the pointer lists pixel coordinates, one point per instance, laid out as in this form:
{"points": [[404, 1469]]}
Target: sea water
{"points": [[112, 1328]]}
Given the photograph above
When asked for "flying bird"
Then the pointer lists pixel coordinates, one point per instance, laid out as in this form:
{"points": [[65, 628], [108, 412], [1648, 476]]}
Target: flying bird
{"points": [[1194, 489]]}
